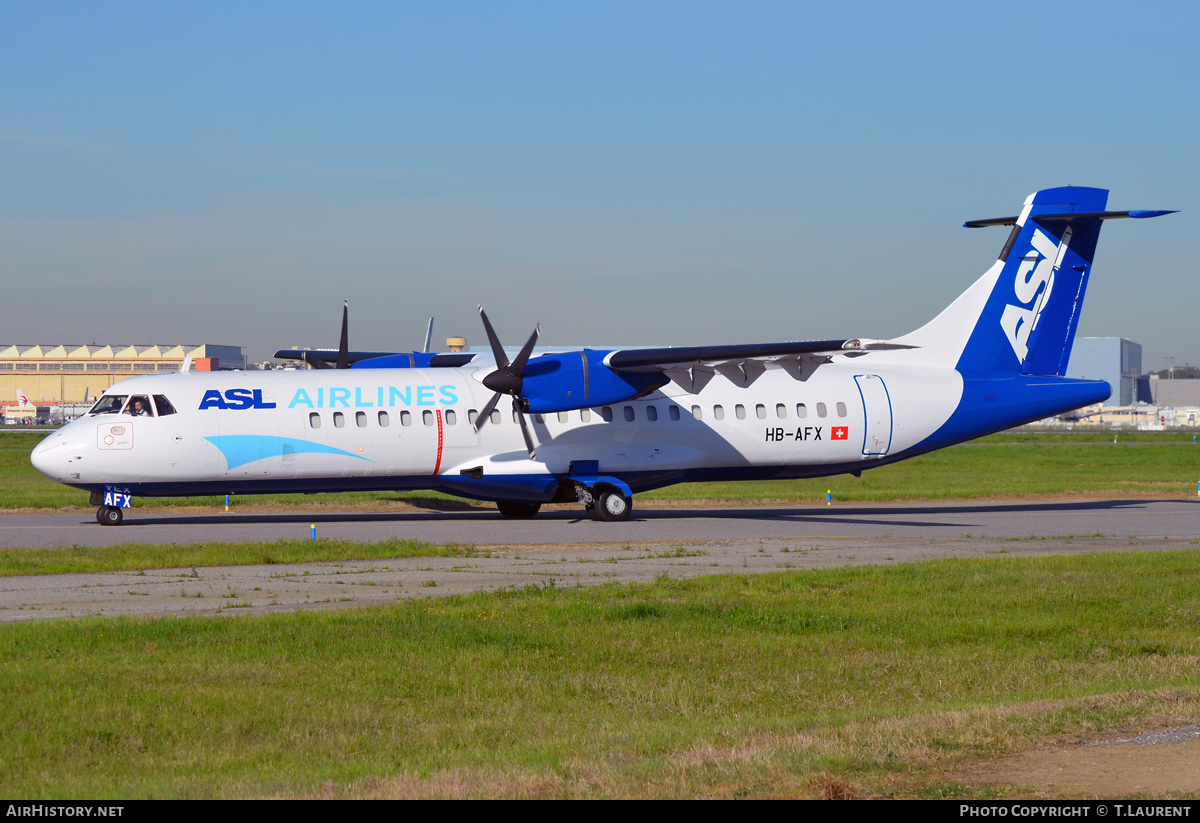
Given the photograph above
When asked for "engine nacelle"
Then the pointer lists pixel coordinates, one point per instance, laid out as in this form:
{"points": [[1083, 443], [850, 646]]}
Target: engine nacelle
{"points": [[580, 380]]}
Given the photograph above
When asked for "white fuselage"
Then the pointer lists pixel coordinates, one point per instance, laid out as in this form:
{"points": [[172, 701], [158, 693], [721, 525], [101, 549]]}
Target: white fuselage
{"points": [[412, 428]]}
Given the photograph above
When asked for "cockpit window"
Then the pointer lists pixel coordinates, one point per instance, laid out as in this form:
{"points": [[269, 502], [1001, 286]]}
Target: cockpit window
{"points": [[164, 405], [139, 406], [109, 404]]}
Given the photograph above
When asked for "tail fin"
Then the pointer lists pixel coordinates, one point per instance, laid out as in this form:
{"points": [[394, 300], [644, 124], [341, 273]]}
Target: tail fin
{"points": [[23, 401], [1021, 316]]}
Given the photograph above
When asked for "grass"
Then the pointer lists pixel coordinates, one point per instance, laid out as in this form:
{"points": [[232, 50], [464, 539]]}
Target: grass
{"points": [[867, 681], [84, 559], [1003, 465]]}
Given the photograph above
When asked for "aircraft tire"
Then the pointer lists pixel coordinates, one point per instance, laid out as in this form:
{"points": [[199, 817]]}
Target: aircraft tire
{"points": [[110, 516], [518, 510], [612, 506]]}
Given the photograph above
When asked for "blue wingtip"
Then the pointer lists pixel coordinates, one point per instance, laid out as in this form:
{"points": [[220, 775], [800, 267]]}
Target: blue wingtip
{"points": [[1148, 213]]}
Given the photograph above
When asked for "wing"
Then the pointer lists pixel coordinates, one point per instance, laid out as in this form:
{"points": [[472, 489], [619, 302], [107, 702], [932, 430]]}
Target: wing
{"points": [[327, 358], [691, 367]]}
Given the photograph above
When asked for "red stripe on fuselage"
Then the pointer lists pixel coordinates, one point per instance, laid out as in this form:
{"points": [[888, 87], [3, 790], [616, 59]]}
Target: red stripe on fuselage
{"points": [[438, 464]]}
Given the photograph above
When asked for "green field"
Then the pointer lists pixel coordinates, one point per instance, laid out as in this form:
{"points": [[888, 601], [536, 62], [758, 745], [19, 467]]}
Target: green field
{"points": [[849, 682], [861, 681], [1140, 464]]}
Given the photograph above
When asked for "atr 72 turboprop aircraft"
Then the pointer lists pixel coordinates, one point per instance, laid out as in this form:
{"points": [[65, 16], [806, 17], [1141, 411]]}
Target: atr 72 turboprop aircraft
{"points": [[596, 426]]}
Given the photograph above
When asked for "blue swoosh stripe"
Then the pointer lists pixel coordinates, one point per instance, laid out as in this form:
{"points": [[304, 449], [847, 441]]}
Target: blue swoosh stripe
{"points": [[240, 449]]}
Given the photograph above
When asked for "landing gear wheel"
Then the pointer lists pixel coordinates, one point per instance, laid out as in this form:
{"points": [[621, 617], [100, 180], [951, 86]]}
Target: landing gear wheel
{"points": [[518, 511], [612, 506], [109, 516]]}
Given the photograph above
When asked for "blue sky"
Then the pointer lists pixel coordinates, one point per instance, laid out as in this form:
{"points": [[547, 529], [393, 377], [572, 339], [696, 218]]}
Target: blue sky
{"points": [[622, 173]]}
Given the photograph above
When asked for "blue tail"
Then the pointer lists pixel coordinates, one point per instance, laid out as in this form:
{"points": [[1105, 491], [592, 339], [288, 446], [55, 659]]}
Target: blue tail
{"points": [[1010, 334], [1028, 324]]}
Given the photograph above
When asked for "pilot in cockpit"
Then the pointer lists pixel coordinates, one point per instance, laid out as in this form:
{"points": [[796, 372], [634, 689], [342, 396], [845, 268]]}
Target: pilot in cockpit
{"points": [[138, 407]]}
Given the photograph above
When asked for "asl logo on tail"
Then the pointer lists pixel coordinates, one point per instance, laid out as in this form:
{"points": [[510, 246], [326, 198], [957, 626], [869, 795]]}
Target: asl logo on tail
{"points": [[1036, 270]]}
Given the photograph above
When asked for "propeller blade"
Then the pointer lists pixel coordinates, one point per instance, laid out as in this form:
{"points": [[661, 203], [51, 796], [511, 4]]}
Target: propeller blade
{"points": [[343, 361], [486, 414], [518, 365], [315, 362], [524, 429], [497, 349]]}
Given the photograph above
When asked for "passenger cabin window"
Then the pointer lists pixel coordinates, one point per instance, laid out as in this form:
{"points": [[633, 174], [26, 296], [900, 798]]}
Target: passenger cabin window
{"points": [[740, 411], [563, 417], [384, 422], [761, 411], [696, 413], [629, 415], [405, 418], [339, 420], [651, 413], [164, 405], [427, 417], [821, 410], [673, 412], [718, 413], [360, 419], [841, 409], [606, 413], [472, 416], [314, 420], [451, 417], [780, 410], [585, 415], [109, 404], [801, 410], [496, 418]]}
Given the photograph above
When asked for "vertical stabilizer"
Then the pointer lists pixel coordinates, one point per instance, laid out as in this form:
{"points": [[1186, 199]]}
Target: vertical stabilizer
{"points": [[1021, 316]]}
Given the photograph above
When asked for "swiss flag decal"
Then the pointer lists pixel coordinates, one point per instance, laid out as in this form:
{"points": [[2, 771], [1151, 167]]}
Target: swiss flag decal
{"points": [[841, 432]]}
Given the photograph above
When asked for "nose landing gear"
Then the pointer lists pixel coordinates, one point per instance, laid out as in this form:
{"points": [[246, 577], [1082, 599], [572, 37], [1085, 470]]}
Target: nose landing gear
{"points": [[109, 516]]}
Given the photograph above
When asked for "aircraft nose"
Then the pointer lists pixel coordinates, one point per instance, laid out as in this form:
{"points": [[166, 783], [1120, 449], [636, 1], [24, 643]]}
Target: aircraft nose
{"points": [[49, 458]]}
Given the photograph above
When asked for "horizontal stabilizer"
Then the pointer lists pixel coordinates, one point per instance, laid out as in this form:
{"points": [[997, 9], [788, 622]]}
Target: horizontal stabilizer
{"points": [[1049, 218]]}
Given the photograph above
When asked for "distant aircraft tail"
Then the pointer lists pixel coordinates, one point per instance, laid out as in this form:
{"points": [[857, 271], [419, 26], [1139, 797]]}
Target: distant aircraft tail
{"points": [[23, 401], [1021, 316]]}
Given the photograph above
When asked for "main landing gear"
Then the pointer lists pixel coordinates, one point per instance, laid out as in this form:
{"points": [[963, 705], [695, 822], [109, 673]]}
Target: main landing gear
{"points": [[517, 510], [604, 503], [610, 506], [109, 516]]}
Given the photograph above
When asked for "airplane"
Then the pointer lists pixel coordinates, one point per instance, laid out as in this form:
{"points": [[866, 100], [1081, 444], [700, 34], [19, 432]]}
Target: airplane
{"points": [[596, 426]]}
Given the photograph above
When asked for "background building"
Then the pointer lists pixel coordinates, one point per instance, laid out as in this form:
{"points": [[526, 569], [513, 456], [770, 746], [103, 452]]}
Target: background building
{"points": [[1115, 359], [58, 374]]}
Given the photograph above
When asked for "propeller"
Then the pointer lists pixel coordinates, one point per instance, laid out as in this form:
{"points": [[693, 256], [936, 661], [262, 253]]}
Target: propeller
{"points": [[343, 358], [507, 379]]}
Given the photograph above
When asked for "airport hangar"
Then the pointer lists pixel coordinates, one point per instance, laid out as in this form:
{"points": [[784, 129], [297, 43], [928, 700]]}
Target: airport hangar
{"points": [[66, 375]]}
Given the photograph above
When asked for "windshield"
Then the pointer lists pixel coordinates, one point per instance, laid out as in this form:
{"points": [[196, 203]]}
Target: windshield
{"points": [[109, 404], [139, 406]]}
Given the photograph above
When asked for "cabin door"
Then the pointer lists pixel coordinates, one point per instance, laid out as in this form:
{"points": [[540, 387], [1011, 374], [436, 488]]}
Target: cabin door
{"points": [[877, 409]]}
